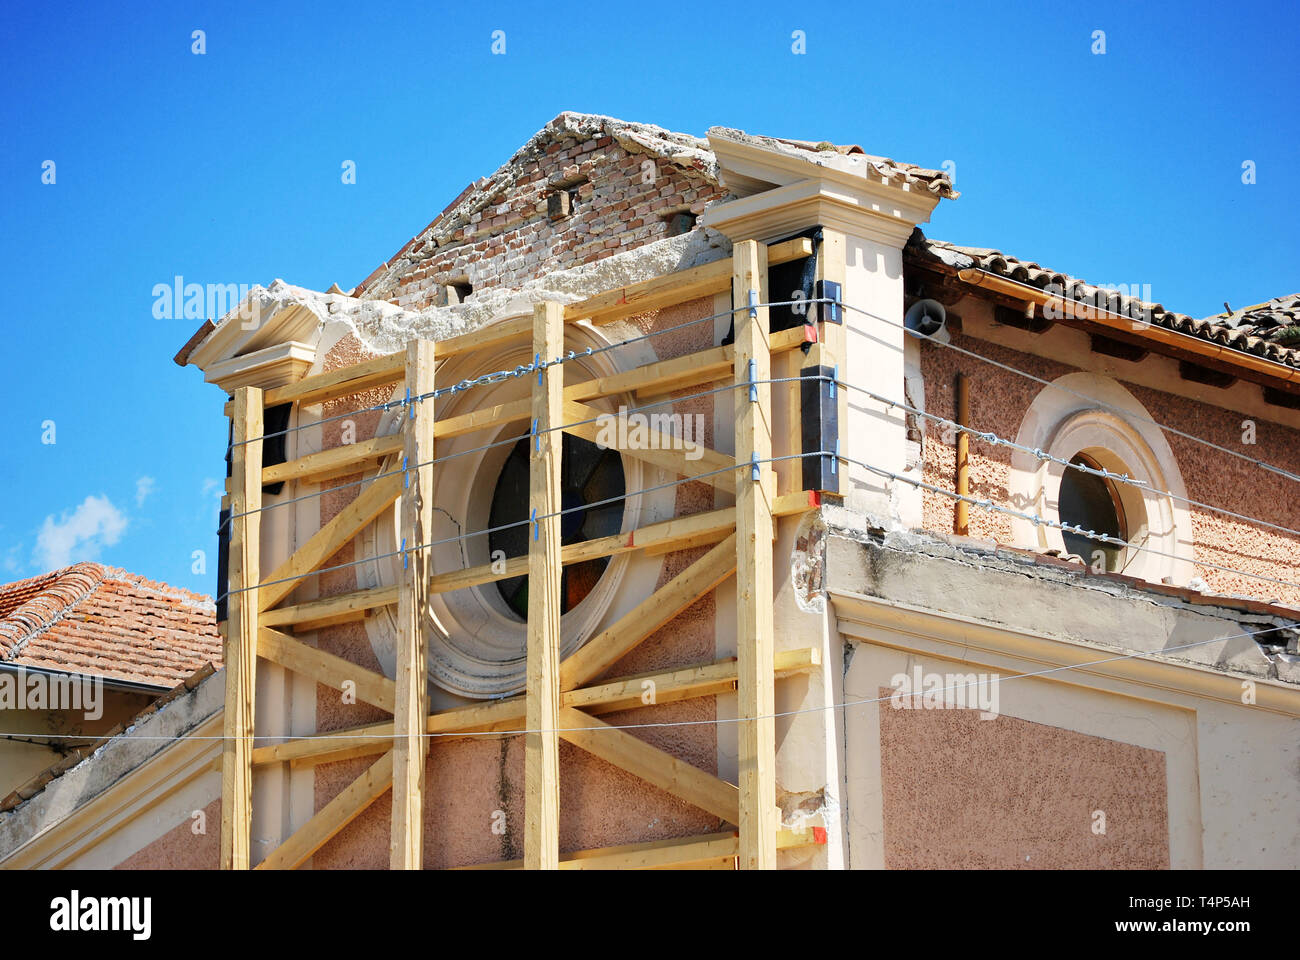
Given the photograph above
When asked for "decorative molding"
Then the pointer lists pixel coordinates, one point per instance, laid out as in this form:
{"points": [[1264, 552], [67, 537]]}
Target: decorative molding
{"points": [[966, 640]]}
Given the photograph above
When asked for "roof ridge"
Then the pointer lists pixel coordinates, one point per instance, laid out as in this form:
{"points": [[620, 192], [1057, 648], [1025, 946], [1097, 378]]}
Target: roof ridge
{"points": [[64, 590], [202, 600]]}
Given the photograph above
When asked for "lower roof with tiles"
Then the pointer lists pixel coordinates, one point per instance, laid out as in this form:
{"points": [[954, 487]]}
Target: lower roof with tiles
{"points": [[101, 621]]}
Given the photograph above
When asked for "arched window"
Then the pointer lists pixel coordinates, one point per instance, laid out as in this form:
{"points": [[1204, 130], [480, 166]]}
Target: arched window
{"points": [[1093, 422]]}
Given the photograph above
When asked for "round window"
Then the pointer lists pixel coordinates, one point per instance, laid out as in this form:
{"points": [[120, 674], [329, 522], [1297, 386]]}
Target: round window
{"points": [[589, 476], [1092, 503]]}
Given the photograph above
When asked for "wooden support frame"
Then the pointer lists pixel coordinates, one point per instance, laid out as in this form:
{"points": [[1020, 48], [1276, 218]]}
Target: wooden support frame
{"points": [[240, 656], [326, 668], [561, 701], [410, 747], [712, 850], [541, 743], [605, 649], [683, 683], [333, 817], [755, 492]]}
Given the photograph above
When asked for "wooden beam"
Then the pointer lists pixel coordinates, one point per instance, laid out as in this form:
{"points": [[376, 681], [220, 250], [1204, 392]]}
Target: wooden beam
{"points": [[687, 683], [410, 747], [343, 608], [673, 288], [240, 654], [681, 779], [483, 418], [541, 743], [823, 357], [652, 446], [675, 853], [493, 335], [755, 696], [343, 382], [334, 462], [332, 817], [695, 530], [609, 646], [326, 668], [961, 510], [683, 683], [349, 521]]}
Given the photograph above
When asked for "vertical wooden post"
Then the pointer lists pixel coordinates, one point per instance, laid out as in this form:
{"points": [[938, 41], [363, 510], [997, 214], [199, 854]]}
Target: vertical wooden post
{"points": [[542, 757], [410, 746], [818, 409], [240, 656], [961, 515], [754, 631]]}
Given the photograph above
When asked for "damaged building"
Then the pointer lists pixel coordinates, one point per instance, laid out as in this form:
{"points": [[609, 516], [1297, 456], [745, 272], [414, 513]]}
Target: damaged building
{"points": [[968, 562]]}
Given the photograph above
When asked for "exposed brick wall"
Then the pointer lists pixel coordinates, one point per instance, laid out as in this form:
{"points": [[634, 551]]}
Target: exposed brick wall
{"points": [[503, 235], [999, 401]]}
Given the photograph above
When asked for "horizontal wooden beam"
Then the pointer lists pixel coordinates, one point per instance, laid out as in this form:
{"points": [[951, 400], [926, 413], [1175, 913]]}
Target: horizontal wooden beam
{"points": [[655, 447], [493, 335], [683, 683], [333, 817], [334, 462], [693, 530], [376, 372], [676, 852], [673, 288], [655, 766], [343, 608], [326, 668]]}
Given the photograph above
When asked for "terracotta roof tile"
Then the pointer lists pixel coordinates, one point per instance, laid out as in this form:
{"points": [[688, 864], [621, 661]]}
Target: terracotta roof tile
{"points": [[102, 621], [1270, 330]]}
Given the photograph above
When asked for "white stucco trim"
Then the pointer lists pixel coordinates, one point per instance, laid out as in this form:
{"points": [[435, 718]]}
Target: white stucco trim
{"points": [[1121, 438]]}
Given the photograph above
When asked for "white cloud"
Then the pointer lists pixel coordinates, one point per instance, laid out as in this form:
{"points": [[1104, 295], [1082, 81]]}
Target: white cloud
{"points": [[143, 487], [216, 488], [93, 525]]}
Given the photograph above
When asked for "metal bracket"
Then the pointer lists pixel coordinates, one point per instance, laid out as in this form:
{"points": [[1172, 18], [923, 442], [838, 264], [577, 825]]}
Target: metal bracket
{"points": [[831, 291]]}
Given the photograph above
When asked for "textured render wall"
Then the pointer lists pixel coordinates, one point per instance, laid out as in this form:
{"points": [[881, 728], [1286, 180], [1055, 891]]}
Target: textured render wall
{"points": [[999, 400], [964, 793], [180, 848], [471, 778], [513, 241]]}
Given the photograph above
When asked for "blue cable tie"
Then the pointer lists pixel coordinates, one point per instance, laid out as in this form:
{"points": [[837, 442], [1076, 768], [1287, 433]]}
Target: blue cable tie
{"points": [[406, 477], [753, 380], [753, 303], [404, 556], [835, 376], [754, 465], [537, 530], [836, 458], [537, 436], [537, 361]]}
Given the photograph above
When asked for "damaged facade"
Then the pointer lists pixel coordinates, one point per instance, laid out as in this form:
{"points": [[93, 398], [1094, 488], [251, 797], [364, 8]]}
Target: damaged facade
{"points": [[1146, 680]]}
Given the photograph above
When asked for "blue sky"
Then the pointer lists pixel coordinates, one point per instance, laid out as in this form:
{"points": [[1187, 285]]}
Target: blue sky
{"points": [[1124, 167]]}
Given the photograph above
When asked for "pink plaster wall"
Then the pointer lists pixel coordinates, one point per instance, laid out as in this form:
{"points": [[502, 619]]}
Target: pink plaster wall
{"points": [[999, 401], [470, 779], [180, 848], [1003, 794]]}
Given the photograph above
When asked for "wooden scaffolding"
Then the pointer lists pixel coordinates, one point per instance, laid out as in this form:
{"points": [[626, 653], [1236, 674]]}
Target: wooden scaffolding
{"points": [[563, 698]]}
